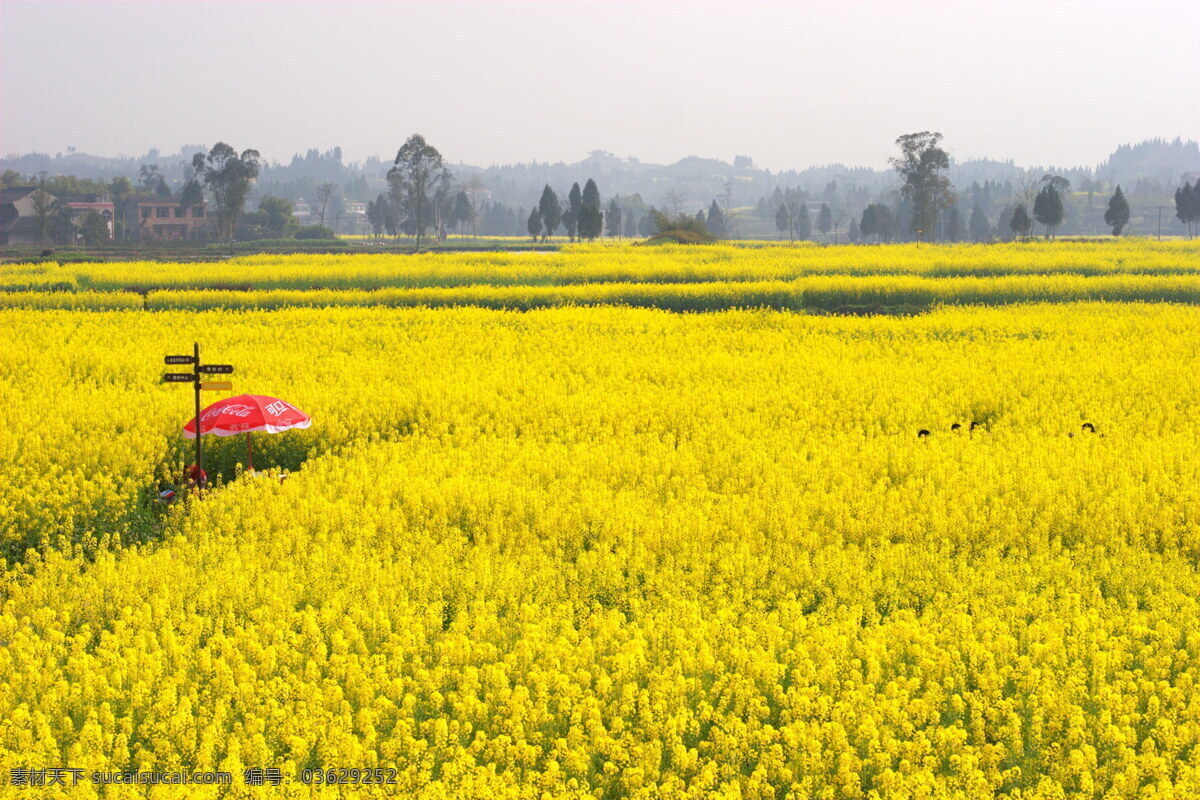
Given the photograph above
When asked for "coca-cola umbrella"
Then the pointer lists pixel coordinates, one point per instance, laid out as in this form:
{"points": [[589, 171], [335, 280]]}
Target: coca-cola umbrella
{"points": [[247, 413]]}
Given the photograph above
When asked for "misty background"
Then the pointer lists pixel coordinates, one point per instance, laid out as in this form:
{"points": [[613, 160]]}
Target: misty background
{"points": [[673, 105]]}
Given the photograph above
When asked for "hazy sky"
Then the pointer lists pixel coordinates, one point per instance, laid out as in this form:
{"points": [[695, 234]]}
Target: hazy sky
{"points": [[790, 84]]}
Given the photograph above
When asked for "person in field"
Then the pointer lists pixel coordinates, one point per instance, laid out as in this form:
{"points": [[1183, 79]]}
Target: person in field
{"points": [[197, 476]]}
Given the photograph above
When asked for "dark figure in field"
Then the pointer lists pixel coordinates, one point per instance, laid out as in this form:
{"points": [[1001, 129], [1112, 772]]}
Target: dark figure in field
{"points": [[975, 425], [1089, 427], [955, 428], [921, 434]]}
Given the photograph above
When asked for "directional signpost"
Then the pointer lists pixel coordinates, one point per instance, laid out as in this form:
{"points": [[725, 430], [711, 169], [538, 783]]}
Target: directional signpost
{"points": [[194, 378]]}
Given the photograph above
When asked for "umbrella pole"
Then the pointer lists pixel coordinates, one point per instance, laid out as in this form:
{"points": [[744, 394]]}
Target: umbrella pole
{"points": [[199, 452], [249, 451]]}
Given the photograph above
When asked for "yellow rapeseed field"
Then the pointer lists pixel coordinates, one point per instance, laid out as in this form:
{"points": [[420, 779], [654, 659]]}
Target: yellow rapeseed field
{"points": [[604, 263], [611, 552]]}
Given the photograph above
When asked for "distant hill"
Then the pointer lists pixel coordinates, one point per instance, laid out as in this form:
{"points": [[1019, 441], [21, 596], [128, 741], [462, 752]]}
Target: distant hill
{"points": [[696, 178], [1156, 160]]}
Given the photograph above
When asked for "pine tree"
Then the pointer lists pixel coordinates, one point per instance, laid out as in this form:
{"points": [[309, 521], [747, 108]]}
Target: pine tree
{"points": [[590, 220], [979, 226], [867, 225], [1021, 224], [825, 220], [715, 220], [1048, 208], [885, 222], [781, 220], [954, 226], [570, 217], [1117, 215], [550, 212], [591, 194], [534, 224], [612, 221], [803, 223], [647, 227], [1187, 205], [462, 213]]}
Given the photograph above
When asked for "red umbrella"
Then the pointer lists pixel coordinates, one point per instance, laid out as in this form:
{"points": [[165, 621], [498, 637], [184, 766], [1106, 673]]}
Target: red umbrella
{"points": [[246, 413]]}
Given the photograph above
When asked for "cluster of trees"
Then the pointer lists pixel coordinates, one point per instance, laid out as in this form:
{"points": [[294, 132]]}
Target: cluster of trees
{"points": [[928, 209], [55, 220], [582, 218], [424, 200], [423, 197]]}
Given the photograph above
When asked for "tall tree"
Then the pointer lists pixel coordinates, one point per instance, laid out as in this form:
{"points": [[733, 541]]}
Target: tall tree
{"points": [[94, 228], [325, 193], [1048, 208], [417, 173], [375, 215], [591, 222], [877, 221], [120, 188], [43, 209], [1020, 224], [825, 221], [804, 226], [64, 221], [979, 226], [228, 177], [570, 217], [151, 181], [922, 165], [463, 212], [443, 207], [591, 218], [591, 194], [1117, 215], [675, 199], [612, 219], [534, 223], [278, 220], [550, 212], [192, 194], [789, 212], [473, 185], [647, 226], [954, 225], [866, 225], [1004, 228], [715, 220], [1187, 205]]}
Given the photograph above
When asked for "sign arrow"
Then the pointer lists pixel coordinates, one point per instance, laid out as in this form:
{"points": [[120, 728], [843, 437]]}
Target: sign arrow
{"points": [[179, 360], [216, 386], [179, 377], [216, 369]]}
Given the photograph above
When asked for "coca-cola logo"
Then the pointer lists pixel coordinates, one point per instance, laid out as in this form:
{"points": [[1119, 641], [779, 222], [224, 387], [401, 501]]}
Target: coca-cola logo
{"points": [[232, 410]]}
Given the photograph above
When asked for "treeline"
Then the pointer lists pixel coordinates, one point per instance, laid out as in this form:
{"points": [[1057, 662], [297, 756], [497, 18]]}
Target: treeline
{"points": [[425, 201]]}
